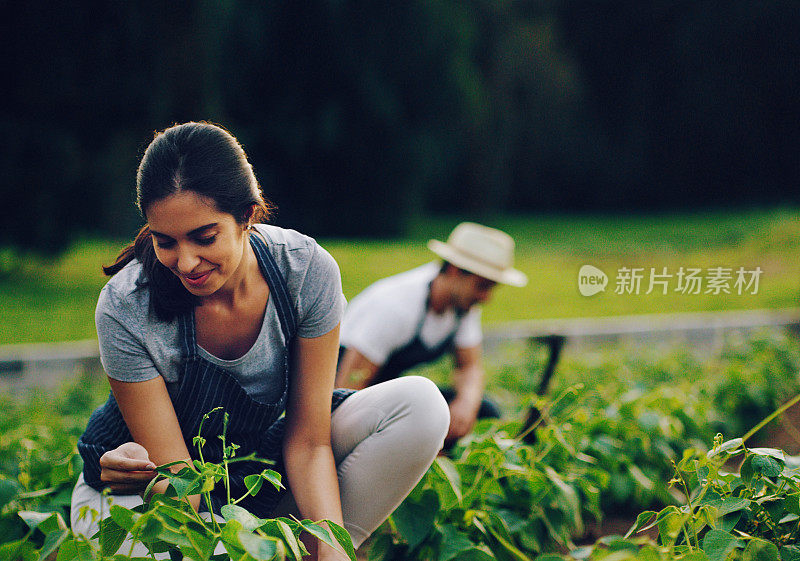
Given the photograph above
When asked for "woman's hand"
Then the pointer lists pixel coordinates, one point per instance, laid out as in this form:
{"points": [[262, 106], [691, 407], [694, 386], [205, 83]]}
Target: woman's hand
{"points": [[127, 469]]}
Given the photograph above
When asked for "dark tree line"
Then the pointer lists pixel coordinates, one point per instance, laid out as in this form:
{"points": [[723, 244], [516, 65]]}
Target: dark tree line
{"points": [[358, 116]]}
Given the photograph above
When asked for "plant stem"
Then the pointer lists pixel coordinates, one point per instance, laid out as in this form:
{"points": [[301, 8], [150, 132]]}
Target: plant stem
{"points": [[570, 390], [36, 494], [133, 543], [691, 510], [225, 457], [207, 497], [774, 414], [237, 501]]}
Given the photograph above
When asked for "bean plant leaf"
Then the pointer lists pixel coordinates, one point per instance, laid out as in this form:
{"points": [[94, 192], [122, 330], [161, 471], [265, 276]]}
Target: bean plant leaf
{"points": [[509, 548], [790, 553], [174, 535], [640, 478], [248, 521], [111, 535], [8, 490], [670, 523], [449, 482], [746, 470], [202, 543], [586, 552], [319, 532], [718, 544], [793, 503], [173, 510], [767, 466], [164, 470], [51, 542], [415, 520], [73, 550], [148, 491], [289, 538], [382, 547], [568, 497], [344, 539], [253, 483], [260, 547], [727, 505], [644, 521], [772, 452], [729, 522], [186, 482], [454, 542], [481, 553], [760, 550], [45, 521], [726, 447], [148, 527], [336, 535], [273, 477], [230, 539], [124, 517]]}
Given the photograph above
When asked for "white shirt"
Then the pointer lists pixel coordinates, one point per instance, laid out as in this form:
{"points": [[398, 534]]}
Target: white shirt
{"points": [[385, 316]]}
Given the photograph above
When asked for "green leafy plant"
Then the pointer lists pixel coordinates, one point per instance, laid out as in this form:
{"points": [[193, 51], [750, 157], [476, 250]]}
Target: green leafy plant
{"points": [[167, 523], [498, 498], [39, 462], [725, 516]]}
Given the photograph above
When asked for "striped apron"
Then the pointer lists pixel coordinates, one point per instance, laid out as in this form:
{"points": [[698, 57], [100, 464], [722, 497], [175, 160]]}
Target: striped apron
{"points": [[253, 425]]}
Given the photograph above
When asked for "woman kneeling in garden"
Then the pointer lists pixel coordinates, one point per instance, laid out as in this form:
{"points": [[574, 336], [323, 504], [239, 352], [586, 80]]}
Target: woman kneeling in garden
{"points": [[208, 307]]}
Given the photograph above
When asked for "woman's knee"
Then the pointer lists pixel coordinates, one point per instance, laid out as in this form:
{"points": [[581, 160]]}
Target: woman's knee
{"points": [[427, 407]]}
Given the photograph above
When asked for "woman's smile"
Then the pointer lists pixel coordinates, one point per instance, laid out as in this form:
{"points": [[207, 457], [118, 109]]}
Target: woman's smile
{"points": [[196, 280]]}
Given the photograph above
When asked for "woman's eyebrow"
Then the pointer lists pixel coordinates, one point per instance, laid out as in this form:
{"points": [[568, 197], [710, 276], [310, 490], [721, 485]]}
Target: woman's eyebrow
{"points": [[194, 232]]}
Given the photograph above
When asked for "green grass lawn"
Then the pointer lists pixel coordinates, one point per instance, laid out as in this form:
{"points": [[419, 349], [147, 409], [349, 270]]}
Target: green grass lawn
{"points": [[54, 301]]}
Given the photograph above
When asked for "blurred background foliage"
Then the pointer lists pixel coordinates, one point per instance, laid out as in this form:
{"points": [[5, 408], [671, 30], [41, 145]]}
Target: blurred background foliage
{"points": [[360, 117]]}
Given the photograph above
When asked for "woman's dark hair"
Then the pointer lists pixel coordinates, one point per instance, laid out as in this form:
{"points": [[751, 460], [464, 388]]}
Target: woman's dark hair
{"points": [[207, 160]]}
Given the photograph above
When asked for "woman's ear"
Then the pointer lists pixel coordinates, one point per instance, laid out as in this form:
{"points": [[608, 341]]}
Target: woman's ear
{"points": [[248, 217]]}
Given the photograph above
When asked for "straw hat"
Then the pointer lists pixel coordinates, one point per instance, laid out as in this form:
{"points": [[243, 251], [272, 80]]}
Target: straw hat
{"points": [[484, 251]]}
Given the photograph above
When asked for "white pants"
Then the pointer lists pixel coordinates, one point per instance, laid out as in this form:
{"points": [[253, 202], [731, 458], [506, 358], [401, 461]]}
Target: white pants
{"points": [[384, 438]]}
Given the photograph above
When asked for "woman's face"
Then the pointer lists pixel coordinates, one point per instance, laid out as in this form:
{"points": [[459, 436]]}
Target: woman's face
{"points": [[197, 242]]}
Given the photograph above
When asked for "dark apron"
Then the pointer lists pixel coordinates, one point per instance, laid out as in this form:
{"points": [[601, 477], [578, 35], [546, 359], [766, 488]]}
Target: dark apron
{"points": [[253, 425], [415, 352]]}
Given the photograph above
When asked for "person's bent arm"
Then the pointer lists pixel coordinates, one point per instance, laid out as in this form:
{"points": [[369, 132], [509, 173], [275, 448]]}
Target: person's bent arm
{"points": [[468, 379], [150, 417], [355, 370], [308, 457]]}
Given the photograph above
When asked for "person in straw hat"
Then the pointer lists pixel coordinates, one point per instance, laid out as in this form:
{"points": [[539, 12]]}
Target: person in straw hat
{"points": [[417, 316]]}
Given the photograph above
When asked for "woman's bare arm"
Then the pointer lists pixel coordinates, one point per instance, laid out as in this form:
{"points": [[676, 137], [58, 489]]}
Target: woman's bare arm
{"points": [[150, 416], [310, 467]]}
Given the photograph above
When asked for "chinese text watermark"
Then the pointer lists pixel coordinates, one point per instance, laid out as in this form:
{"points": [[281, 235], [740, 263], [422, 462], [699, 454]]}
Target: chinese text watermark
{"points": [[684, 280]]}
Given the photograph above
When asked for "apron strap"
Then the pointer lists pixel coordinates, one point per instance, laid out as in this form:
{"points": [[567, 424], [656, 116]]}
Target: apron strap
{"points": [[187, 334], [278, 288]]}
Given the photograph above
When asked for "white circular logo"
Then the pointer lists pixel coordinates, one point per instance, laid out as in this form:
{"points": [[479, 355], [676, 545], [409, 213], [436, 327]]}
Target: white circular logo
{"points": [[591, 280]]}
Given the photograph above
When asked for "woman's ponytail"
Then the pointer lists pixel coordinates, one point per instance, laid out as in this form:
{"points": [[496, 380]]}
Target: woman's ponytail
{"points": [[139, 246]]}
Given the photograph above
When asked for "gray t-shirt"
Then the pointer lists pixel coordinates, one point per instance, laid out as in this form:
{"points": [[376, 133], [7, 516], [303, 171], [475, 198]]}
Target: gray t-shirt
{"points": [[136, 346]]}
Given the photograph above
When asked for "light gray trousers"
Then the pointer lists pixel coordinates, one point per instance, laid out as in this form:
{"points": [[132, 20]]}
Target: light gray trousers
{"points": [[384, 438]]}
